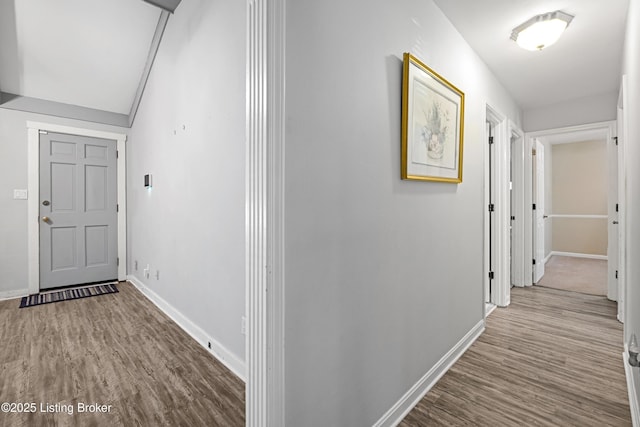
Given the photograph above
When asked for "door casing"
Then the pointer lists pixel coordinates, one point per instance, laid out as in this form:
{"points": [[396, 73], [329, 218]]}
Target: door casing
{"points": [[503, 129], [608, 128], [33, 209]]}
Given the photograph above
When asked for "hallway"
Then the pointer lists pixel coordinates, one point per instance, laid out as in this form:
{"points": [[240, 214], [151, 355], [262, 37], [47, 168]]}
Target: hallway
{"points": [[551, 358]]}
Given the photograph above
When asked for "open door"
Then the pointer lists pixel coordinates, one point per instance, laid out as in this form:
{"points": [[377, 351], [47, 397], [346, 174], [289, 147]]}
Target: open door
{"points": [[538, 212], [612, 228], [621, 202], [488, 291]]}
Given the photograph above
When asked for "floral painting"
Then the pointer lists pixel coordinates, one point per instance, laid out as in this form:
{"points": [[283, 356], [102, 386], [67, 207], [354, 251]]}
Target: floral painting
{"points": [[432, 125]]}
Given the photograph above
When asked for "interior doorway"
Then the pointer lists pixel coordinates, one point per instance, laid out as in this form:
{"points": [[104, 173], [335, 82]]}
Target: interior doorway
{"points": [[573, 199]]}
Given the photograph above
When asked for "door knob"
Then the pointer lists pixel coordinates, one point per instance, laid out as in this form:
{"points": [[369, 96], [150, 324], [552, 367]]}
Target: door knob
{"points": [[45, 218], [615, 222]]}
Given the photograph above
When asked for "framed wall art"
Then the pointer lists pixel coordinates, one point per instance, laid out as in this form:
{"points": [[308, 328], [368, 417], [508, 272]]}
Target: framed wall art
{"points": [[432, 124]]}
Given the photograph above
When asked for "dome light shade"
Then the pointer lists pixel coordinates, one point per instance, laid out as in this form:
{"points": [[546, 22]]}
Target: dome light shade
{"points": [[541, 31]]}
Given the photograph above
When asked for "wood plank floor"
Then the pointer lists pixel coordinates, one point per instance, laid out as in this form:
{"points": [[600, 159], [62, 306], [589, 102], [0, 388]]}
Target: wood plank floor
{"points": [[552, 358], [117, 350]]}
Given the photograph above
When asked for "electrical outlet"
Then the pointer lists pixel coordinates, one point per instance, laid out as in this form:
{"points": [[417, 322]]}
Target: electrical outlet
{"points": [[243, 325], [157, 274]]}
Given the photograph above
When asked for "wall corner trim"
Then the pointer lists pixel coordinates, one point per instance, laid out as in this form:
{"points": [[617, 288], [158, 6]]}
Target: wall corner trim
{"points": [[220, 352], [631, 389], [397, 412]]}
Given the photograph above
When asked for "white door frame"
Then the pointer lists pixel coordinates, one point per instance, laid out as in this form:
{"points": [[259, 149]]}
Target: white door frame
{"points": [[501, 295], [539, 216], [609, 127], [622, 199], [518, 196], [33, 206]]}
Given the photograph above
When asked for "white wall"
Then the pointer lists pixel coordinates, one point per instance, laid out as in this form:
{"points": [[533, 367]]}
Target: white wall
{"points": [[189, 134], [13, 213], [383, 277], [632, 209], [592, 109]]}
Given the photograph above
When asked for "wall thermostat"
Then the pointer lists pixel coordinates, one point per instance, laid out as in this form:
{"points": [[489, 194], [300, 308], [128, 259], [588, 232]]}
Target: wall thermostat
{"points": [[147, 181]]}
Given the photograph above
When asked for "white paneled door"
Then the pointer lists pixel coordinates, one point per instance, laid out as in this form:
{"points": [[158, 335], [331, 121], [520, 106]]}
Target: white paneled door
{"points": [[78, 210]]}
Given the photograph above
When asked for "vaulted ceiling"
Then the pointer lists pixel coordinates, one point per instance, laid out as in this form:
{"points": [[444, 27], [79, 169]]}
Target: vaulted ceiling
{"points": [[89, 53], [586, 61], [92, 53]]}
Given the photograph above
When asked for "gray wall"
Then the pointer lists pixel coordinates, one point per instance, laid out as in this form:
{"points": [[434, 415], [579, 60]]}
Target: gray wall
{"points": [[591, 109], [189, 134], [13, 213], [383, 276]]}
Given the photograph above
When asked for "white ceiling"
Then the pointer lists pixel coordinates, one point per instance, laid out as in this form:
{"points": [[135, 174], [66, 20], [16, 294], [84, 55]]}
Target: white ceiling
{"points": [[586, 61], [92, 52], [82, 52]]}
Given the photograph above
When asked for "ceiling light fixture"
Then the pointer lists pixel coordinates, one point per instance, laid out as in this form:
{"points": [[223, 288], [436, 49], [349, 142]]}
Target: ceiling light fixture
{"points": [[541, 31]]}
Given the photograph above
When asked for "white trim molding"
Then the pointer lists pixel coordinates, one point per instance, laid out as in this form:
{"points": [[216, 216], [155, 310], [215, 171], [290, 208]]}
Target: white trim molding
{"points": [[576, 216], [412, 397], [13, 294], [33, 206], [220, 352], [502, 201], [577, 255], [518, 224], [631, 388], [265, 397]]}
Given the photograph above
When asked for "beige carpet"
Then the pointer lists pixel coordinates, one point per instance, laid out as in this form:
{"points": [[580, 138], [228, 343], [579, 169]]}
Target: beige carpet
{"points": [[584, 275]]}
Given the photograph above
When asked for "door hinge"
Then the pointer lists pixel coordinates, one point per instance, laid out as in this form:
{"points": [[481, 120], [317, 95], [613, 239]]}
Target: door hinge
{"points": [[117, 154], [616, 274], [617, 207], [117, 261], [117, 208], [492, 207], [491, 275], [43, 132], [534, 261], [490, 140], [534, 206], [615, 139]]}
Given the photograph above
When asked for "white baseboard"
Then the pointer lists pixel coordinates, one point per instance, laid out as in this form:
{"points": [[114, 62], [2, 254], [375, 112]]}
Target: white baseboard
{"points": [[577, 255], [488, 309], [230, 360], [13, 294], [546, 260], [396, 414], [631, 389]]}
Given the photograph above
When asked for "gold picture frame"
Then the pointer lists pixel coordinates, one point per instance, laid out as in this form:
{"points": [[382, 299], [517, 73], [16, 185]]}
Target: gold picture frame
{"points": [[432, 124]]}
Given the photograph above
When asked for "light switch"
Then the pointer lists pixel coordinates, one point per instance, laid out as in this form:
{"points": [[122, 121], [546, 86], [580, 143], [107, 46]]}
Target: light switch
{"points": [[20, 194]]}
